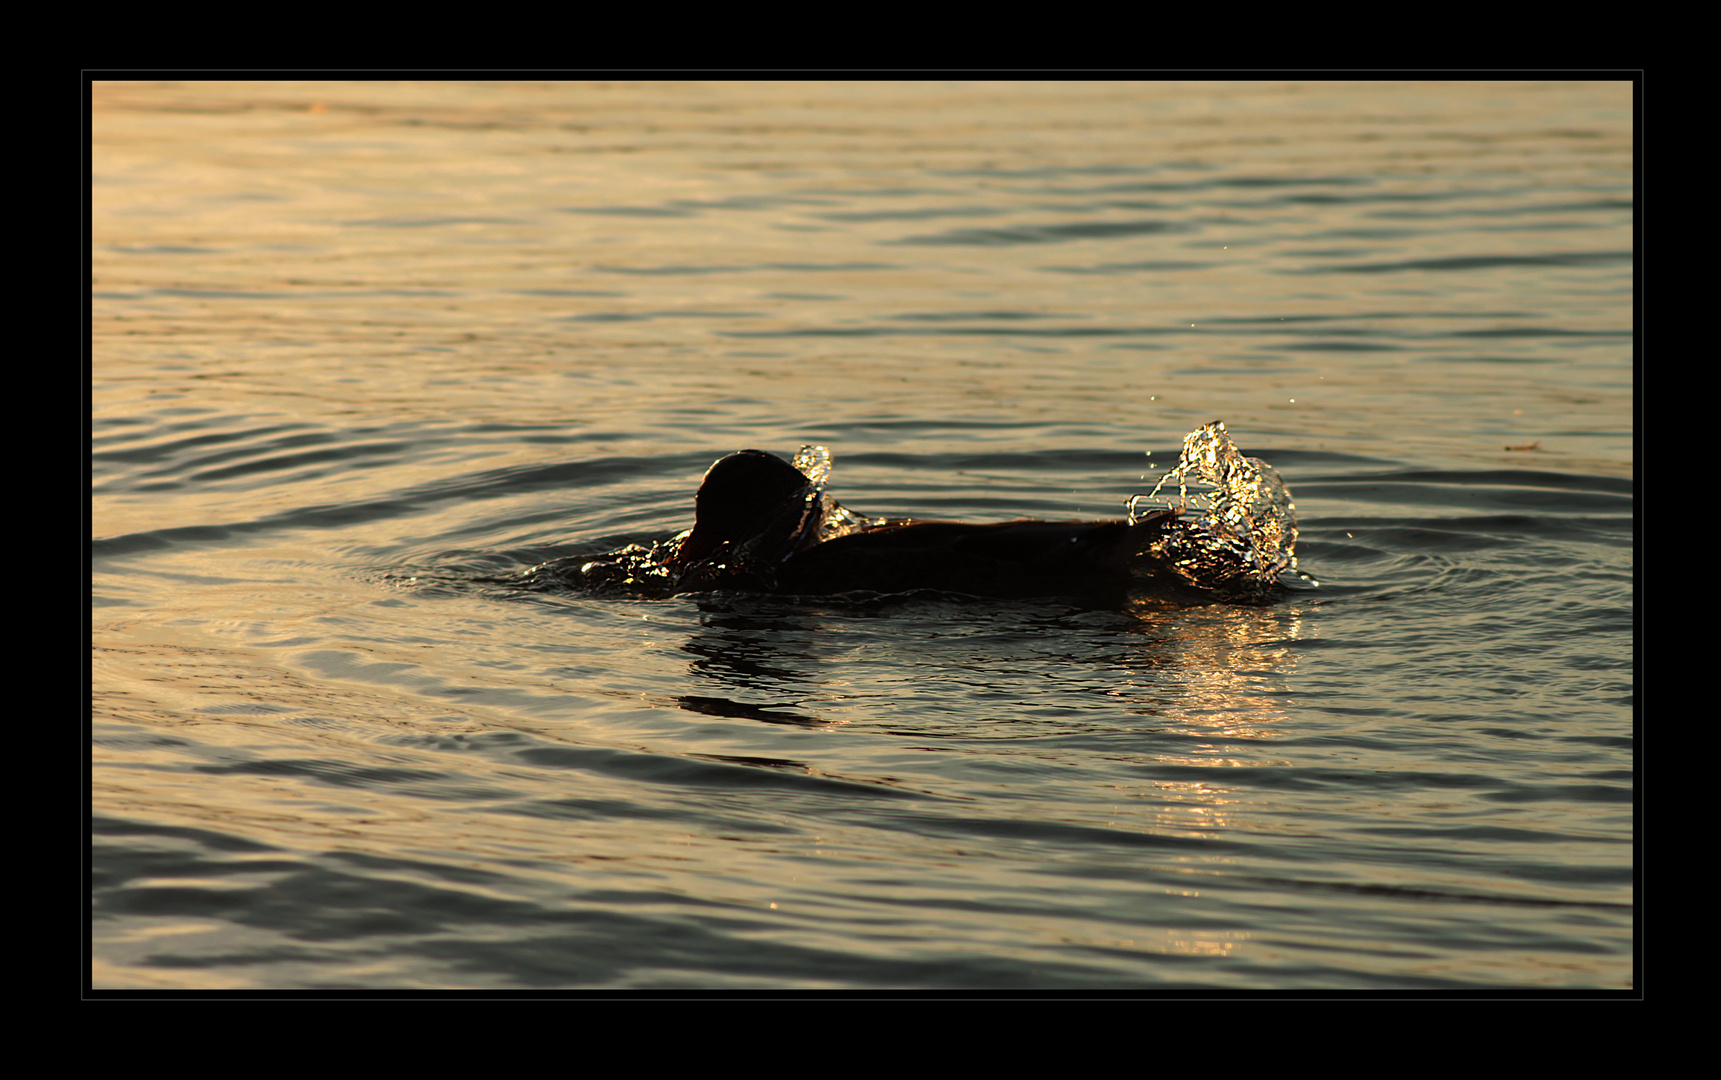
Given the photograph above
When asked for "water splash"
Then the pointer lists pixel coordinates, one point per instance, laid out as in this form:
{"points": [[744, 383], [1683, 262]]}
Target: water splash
{"points": [[835, 519], [635, 568], [815, 464], [1242, 534]]}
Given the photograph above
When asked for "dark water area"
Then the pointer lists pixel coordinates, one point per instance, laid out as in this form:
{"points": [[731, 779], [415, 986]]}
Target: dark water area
{"points": [[364, 355]]}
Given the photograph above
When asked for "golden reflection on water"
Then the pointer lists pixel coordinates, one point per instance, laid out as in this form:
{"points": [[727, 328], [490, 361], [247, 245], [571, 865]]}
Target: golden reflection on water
{"points": [[1233, 668]]}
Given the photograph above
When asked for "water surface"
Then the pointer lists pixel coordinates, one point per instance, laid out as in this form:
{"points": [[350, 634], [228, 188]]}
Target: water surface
{"points": [[362, 353]]}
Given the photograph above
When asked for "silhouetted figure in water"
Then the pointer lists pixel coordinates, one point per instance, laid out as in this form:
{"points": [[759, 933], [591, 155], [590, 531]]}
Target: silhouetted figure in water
{"points": [[761, 524]]}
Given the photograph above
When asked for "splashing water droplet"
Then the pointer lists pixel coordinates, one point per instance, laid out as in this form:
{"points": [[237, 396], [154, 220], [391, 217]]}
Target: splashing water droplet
{"points": [[1243, 534], [815, 464]]}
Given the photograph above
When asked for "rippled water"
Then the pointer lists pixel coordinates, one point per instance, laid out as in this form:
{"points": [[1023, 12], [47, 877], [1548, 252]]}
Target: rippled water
{"points": [[363, 353]]}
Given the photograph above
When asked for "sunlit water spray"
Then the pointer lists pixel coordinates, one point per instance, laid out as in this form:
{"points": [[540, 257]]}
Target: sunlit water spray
{"points": [[1238, 535]]}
